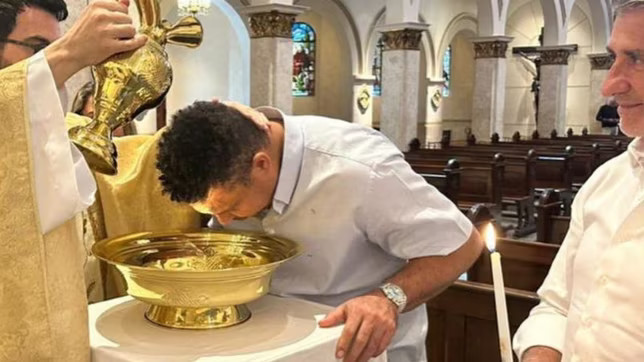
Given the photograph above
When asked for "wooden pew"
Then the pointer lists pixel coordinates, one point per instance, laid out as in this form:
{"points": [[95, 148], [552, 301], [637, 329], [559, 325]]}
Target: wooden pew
{"points": [[525, 264], [446, 180], [462, 322], [517, 181], [462, 319], [479, 182], [553, 217]]}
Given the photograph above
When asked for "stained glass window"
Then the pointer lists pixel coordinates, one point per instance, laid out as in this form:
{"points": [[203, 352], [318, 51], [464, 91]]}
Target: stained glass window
{"points": [[376, 69], [303, 60], [447, 70]]}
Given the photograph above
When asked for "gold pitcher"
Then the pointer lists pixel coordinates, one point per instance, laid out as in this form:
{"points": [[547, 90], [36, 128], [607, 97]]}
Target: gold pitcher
{"points": [[129, 83]]}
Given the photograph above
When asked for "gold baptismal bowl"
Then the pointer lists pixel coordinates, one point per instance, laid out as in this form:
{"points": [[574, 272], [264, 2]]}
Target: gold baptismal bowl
{"points": [[196, 280]]}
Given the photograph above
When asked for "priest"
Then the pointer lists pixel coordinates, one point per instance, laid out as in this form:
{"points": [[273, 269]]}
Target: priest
{"points": [[44, 181]]}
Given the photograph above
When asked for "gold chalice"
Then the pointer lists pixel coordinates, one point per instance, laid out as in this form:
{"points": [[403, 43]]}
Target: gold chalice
{"points": [[129, 83], [196, 280]]}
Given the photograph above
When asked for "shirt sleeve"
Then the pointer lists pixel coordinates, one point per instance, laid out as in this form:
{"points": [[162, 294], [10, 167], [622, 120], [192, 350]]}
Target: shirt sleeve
{"points": [[63, 182], [546, 324], [408, 217]]}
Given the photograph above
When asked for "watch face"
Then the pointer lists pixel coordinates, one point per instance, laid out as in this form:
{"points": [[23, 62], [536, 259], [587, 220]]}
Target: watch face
{"points": [[395, 294]]}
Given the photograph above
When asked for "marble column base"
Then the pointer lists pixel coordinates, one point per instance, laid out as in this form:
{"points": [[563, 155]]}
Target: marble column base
{"points": [[552, 99], [271, 64], [399, 113]]}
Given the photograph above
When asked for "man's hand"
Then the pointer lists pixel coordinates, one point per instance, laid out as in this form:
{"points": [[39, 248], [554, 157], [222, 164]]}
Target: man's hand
{"points": [[541, 354], [258, 118], [369, 325], [103, 29]]}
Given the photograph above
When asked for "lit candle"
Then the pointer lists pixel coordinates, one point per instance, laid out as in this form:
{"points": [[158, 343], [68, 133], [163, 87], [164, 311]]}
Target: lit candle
{"points": [[499, 296]]}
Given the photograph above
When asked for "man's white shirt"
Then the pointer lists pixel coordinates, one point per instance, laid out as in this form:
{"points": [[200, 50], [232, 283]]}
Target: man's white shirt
{"points": [[593, 297]]}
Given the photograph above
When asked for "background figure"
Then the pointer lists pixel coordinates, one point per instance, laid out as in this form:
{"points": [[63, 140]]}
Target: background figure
{"points": [[609, 117], [84, 105]]}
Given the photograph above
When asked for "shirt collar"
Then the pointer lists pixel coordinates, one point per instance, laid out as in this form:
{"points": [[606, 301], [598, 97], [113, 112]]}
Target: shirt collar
{"points": [[636, 152], [291, 158]]}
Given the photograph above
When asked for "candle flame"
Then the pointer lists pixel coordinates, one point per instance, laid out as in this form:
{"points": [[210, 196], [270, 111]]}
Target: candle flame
{"points": [[490, 237]]}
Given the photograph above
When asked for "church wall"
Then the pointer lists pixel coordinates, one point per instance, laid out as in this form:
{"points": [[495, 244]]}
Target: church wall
{"points": [[364, 14], [457, 107], [334, 79], [219, 67], [524, 24], [578, 95], [439, 14]]}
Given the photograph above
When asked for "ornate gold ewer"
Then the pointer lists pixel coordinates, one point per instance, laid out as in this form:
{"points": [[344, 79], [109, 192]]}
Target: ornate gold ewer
{"points": [[129, 83]]}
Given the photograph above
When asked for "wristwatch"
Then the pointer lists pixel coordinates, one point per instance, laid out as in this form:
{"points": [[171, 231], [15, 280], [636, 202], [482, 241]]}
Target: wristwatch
{"points": [[395, 294]]}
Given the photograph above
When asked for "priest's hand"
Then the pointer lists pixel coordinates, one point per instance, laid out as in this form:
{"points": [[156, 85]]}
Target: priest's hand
{"points": [[369, 325], [258, 118], [103, 29]]}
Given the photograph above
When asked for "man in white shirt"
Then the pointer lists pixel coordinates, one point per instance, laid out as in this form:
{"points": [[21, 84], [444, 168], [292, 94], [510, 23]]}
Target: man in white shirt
{"points": [[591, 301], [378, 240]]}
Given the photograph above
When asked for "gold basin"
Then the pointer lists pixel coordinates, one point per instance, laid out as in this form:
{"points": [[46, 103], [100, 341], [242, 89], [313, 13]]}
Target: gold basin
{"points": [[200, 279]]}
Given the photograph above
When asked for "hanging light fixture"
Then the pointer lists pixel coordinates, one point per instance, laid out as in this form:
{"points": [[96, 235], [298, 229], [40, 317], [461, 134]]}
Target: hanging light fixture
{"points": [[193, 7]]}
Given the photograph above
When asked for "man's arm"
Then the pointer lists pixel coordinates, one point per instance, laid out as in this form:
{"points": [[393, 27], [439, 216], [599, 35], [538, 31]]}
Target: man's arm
{"points": [[424, 278], [370, 320], [542, 334], [410, 220]]}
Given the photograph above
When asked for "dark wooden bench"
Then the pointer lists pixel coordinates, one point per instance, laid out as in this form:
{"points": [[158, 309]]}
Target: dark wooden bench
{"points": [[479, 181], [446, 180], [462, 321], [525, 264], [553, 216]]}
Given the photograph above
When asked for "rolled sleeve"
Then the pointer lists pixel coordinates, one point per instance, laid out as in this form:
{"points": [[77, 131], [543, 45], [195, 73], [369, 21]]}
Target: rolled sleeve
{"points": [[408, 217], [546, 325], [63, 182]]}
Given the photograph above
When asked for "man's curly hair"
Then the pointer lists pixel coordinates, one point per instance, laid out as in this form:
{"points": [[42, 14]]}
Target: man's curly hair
{"points": [[208, 144]]}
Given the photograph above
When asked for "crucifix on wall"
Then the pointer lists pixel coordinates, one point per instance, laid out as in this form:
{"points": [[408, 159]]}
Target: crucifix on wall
{"points": [[532, 55]]}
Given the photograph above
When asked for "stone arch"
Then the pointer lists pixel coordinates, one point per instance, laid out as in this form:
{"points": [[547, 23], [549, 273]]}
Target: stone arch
{"points": [[427, 44], [462, 23], [452, 113], [492, 16], [600, 15], [554, 22]]}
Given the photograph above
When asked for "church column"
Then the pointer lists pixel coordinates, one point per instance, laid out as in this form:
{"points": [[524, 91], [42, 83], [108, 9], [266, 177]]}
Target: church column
{"points": [[271, 54], [363, 99], [400, 81], [553, 88], [599, 65], [488, 98]]}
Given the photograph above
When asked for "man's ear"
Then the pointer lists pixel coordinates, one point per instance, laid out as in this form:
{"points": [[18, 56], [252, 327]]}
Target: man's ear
{"points": [[262, 162]]}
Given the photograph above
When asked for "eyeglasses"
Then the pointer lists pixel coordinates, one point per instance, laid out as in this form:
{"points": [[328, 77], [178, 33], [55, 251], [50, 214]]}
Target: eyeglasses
{"points": [[35, 47]]}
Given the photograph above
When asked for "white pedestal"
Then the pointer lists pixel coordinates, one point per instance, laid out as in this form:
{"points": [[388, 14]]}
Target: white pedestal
{"points": [[280, 329]]}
